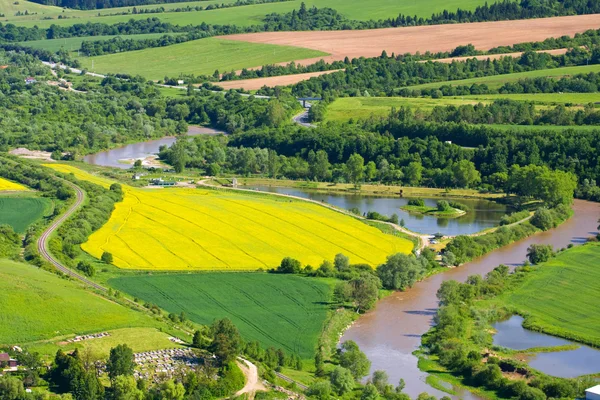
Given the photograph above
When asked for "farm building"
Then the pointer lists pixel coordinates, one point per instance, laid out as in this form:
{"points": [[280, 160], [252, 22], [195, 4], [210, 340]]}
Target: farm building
{"points": [[6, 360], [161, 182], [593, 393]]}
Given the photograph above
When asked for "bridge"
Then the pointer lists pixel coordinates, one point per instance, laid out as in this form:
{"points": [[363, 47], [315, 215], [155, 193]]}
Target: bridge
{"points": [[303, 100]]}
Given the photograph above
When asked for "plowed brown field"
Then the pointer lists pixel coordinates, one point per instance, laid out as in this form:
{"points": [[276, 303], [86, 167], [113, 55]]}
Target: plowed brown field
{"points": [[272, 81], [370, 43]]}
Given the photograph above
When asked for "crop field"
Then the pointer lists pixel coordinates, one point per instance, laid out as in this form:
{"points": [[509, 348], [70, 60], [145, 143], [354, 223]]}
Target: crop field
{"points": [[244, 15], [542, 98], [20, 212], [38, 305], [74, 44], [283, 311], [558, 295], [434, 38], [346, 108], [204, 229], [497, 81], [6, 185], [202, 56]]}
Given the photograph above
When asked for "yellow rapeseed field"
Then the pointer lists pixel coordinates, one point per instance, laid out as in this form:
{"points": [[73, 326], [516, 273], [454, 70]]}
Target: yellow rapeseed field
{"points": [[203, 229], [6, 185]]}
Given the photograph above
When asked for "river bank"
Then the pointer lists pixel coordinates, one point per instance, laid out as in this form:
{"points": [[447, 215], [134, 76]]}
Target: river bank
{"points": [[392, 332]]}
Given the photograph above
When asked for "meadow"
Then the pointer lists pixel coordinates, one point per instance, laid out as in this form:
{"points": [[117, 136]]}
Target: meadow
{"points": [[204, 229], [346, 108], [20, 212], [202, 56], [6, 185], [283, 311], [575, 313], [243, 15], [74, 44], [38, 305], [497, 81]]}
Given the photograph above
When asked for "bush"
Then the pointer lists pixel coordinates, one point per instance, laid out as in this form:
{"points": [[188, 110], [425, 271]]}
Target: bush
{"points": [[542, 219], [416, 202], [107, 257], [289, 266], [443, 205]]}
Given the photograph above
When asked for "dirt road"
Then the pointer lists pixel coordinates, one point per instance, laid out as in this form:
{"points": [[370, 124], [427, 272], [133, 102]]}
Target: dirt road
{"points": [[253, 382], [434, 38], [42, 244]]}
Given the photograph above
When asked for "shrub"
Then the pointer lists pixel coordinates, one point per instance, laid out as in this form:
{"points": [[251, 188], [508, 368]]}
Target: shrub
{"points": [[443, 205], [107, 257], [542, 219], [416, 202]]}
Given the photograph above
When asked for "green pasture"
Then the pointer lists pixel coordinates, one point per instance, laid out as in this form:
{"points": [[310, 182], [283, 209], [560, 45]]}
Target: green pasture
{"points": [[541, 98], [10, 7], [283, 311], [561, 296], [346, 108], [497, 81], [248, 15], [74, 44], [21, 211], [37, 305], [202, 56]]}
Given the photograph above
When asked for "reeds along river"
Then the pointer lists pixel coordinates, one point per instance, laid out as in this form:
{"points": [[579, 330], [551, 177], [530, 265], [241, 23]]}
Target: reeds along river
{"points": [[392, 331]]}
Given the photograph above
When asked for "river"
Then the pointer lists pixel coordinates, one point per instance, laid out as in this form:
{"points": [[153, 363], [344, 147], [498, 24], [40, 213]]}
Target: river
{"points": [[123, 157], [483, 214], [392, 331]]}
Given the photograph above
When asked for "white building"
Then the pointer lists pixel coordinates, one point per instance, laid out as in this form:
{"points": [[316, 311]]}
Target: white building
{"points": [[593, 393]]}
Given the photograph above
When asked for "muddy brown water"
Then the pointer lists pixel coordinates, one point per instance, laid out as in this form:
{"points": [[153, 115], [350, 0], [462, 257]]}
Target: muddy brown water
{"points": [[392, 332]]}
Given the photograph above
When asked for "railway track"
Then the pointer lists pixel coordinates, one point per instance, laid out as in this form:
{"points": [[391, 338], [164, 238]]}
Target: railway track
{"points": [[42, 243]]}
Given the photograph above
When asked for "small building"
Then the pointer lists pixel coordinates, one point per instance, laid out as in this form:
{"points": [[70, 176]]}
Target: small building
{"points": [[593, 393], [6, 360], [180, 81], [161, 182], [30, 80]]}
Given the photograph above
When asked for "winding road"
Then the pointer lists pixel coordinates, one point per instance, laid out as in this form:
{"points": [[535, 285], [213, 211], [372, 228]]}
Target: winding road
{"points": [[42, 243]]}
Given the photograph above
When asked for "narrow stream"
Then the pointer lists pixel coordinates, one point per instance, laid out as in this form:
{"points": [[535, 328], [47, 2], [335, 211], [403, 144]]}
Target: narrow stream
{"points": [[390, 333]]}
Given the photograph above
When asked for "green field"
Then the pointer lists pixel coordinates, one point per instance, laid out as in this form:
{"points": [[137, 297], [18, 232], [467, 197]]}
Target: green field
{"points": [[10, 7], [496, 81], [37, 305], [560, 296], [542, 98], [283, 311], [248, 15], [345, 108], [74, 44], [197, 57], [20, 212]]}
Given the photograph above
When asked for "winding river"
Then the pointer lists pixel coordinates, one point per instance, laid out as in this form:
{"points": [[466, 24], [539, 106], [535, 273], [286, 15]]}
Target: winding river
{"points": [[392, 331]]}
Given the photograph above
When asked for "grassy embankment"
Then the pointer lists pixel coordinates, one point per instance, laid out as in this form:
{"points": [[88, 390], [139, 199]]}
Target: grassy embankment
{"points": [[202, 56], [40, 310], [241, 16], [370, 189], [561, 296], [433, 211]]}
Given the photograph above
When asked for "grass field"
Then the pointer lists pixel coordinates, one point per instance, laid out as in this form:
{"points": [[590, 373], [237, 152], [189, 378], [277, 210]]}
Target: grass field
{"points": [[20, 212], [197, 57], [74, 44], [139, 339], [346, 108], [38, 305], [283, 311], [561, 296], [496, 81], [6, 185], [203, 229], [541, 98], [245, 15]]}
